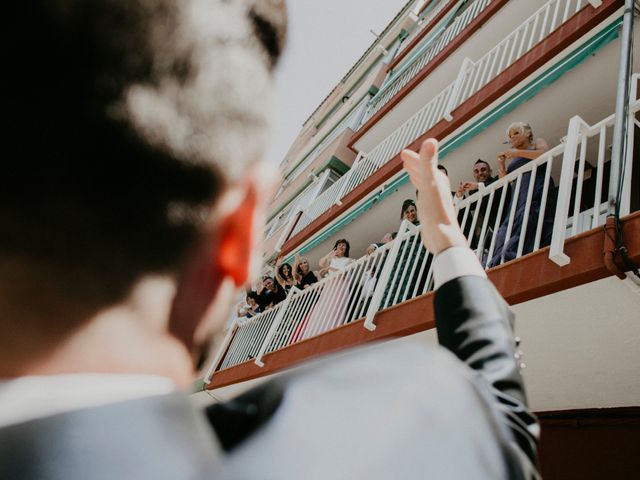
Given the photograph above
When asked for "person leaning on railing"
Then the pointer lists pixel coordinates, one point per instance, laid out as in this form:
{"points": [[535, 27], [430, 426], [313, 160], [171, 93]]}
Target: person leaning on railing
{"points": [[249, 307], [284, 275], [523, 149], [270, 293], [483, 177], [302, 273], [337, 259]]}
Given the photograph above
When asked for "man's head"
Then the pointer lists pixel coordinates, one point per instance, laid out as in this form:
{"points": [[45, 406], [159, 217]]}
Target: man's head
{"points": [[481, 171], [269, 284], [140, 125], [443, 169]]}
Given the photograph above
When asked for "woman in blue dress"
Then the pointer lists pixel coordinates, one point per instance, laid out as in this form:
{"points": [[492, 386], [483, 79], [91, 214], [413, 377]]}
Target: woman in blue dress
{"points": [[523, 149]]}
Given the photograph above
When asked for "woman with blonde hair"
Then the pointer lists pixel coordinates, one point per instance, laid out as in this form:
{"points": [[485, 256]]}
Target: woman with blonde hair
{"points": [[524, 149], [302, 273]]}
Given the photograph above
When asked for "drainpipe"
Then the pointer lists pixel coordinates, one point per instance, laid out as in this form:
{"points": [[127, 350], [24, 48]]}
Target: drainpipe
{"points": [[612, 240]]}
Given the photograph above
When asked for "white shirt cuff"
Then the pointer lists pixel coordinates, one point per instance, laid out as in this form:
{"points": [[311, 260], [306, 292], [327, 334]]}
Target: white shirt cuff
{"points": [[455, 262]]}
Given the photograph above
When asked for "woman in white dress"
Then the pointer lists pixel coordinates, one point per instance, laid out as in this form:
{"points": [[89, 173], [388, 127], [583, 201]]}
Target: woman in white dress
{"points": [[337, 259], [330, 308]]}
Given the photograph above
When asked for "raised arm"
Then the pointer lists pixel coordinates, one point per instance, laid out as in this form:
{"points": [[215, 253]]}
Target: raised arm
{"points": [[296, 263], [326, 260], [279, 279], [472, 319]]}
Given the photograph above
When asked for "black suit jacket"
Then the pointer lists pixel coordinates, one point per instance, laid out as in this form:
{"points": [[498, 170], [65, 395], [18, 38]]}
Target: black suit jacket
{"points": [[390, 411]]}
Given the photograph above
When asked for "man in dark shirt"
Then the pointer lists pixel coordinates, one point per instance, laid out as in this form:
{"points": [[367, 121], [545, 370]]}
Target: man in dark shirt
{"points": [[271, 294], [483, 177]]}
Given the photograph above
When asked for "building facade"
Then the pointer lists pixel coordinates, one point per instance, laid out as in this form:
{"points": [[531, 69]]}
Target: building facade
{"points": [[463, 71]]}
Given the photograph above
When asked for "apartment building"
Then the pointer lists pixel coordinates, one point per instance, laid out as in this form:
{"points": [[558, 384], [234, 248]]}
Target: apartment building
{"points": [[463, 71]]}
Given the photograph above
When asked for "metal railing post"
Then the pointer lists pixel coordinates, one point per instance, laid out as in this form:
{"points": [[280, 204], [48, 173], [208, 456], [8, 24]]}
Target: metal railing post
{"points": [[556, 251], [381, 285], [455, 91], [274, 326], [221, 351]]}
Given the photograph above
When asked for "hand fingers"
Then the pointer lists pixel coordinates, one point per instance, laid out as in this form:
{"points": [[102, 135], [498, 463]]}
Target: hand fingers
{"points": [[429, 155], [411, 162]]}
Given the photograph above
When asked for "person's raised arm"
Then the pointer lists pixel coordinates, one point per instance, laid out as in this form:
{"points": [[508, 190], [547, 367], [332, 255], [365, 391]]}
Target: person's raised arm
{"points": [[279, 278], [326, 260], [296, 263], [472, 319], [540, 147]]}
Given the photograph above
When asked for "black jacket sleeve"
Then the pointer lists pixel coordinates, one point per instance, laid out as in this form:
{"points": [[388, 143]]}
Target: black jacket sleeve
{"points": [[474, 322]]}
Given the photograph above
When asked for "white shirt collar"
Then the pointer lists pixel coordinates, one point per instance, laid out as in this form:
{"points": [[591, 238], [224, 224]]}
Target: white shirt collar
{"points": [[27, 398]]}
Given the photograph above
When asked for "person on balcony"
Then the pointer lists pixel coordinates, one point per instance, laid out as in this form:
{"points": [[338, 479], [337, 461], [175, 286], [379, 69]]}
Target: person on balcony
{"points": [[270, 293], [389, 237], [337, 259], [524, 149], [409, 212], [304, 276], [483, 177], [409, 254], [284, 275], [249, 308], [101, 336]]}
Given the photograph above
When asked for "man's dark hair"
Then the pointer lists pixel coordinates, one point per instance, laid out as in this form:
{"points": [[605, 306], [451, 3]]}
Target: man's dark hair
{"points": [[441, 167], [482, 161], [119, 153]]}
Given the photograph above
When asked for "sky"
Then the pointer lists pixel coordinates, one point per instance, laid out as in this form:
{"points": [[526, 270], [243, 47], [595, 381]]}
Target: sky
{"points": [[325, 40]]}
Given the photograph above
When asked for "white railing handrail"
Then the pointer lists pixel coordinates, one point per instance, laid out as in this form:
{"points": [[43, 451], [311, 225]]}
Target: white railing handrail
{"points": [[423, 23], [523, 38]]}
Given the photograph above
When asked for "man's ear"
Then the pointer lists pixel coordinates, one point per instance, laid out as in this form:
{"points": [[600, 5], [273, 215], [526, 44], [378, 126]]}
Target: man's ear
{"points": [[237, 237], [223, 253]]}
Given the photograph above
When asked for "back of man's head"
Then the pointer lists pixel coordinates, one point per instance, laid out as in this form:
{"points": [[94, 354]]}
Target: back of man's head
{"points": [[130, 118]]}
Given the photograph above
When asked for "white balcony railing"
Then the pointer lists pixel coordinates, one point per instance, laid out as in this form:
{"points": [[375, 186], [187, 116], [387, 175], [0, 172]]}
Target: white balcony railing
{"points": [[509, 218], [352, 120], [283, 221], [586, 151], [472, 77], [410, 70], [475, 75], [423, 22]]}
